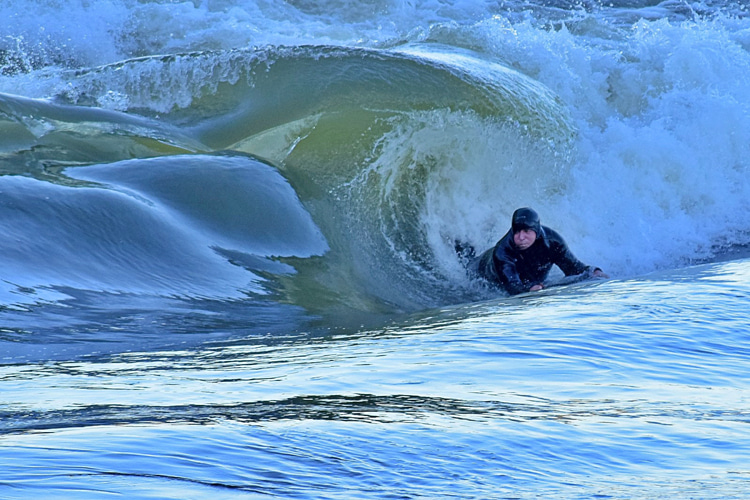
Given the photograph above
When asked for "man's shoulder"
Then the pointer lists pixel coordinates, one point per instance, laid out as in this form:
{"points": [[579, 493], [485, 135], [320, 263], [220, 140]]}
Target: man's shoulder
{"points": [[503, 245], [552, 236], [505, 252]]}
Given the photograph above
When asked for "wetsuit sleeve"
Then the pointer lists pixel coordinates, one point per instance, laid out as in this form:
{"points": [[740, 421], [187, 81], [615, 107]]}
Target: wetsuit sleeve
{"points": [[509, 277], [564, 258]]}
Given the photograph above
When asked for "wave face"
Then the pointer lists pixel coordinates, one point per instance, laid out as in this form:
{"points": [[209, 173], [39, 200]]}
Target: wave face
{"points": [[331, 159]]}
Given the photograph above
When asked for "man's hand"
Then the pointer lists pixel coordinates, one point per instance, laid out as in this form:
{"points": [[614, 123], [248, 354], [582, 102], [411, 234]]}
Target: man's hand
{"points": [[598, 273], [536, 288]]}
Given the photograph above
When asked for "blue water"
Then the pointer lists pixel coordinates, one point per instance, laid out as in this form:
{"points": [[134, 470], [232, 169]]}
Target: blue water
{"points": [[227, 257]]}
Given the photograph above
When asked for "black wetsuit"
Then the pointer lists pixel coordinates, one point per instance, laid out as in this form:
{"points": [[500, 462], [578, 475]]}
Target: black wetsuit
{"points": [[518, 270]]}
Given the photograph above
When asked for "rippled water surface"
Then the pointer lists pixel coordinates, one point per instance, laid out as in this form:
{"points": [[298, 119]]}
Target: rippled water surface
{"points": [[622, 389]]}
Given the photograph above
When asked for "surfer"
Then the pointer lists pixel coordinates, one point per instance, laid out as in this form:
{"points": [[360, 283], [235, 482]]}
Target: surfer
{"points": [[522, 259]]}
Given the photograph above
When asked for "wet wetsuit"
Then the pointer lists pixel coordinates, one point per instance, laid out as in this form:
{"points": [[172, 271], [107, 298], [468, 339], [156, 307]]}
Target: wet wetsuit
{"points": [[518, 270]]}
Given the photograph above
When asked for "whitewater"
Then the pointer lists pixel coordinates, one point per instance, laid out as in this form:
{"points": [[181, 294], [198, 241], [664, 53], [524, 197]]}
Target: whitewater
{"points": [[228, 264]]}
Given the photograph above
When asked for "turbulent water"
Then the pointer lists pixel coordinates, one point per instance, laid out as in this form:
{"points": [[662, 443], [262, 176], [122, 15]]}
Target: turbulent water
{"points": [[228, 264]]}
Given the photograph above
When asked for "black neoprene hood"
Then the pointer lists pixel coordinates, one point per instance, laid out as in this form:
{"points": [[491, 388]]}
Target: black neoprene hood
{"points": [[526, 218]]}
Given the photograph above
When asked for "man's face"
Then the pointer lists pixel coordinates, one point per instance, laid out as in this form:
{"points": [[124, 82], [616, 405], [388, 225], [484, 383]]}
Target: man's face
{"points": [[524, 238]]}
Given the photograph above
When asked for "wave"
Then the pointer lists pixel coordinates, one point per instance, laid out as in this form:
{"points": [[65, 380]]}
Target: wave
{"points": [[341, 125], [388, 156]]}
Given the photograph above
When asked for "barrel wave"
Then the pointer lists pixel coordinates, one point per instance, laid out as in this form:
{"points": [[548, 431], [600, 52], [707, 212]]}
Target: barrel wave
{"points": [[321, 171]]}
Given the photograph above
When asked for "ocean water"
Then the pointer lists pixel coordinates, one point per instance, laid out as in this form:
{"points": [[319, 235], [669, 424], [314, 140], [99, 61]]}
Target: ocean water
{"points": [[228, 267]]}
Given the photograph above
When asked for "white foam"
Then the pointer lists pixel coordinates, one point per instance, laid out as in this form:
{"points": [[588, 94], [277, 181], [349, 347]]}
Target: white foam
{"points": [[659, 174]]}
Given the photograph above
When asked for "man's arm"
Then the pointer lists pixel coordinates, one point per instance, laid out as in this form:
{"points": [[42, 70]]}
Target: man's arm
{"points": [[570, 265], [563, 257], [509, 278]]}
